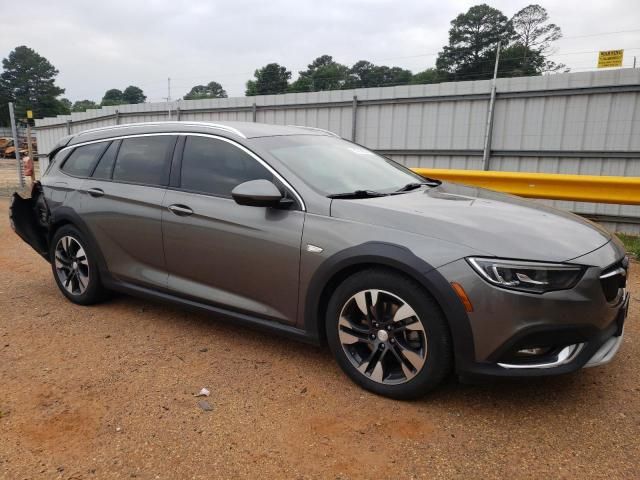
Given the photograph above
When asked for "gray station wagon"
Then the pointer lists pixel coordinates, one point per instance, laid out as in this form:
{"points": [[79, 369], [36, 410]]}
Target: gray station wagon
{"points": [[295, 230]]}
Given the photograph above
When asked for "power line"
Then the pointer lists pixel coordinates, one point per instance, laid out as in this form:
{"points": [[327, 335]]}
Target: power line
{"points": [[236, 74], [599, 34]]}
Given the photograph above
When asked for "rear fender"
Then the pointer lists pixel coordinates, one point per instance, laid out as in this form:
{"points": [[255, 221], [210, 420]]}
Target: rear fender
{"points": [[30, 219]]}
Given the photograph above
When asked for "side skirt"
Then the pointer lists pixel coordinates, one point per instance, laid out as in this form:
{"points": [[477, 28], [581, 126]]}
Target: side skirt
{"points": [[226, 314]]}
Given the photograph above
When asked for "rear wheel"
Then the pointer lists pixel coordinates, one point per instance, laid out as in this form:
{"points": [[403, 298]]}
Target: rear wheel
{"points": [[388, 334], [74, 267]]}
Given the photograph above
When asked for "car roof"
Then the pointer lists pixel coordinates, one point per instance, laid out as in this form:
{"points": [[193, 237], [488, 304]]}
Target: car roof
{"points": [[228, 129]]}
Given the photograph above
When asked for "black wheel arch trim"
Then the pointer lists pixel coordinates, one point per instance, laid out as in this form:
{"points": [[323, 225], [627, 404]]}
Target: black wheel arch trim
{"points": [[404, 260], [65, 215]]}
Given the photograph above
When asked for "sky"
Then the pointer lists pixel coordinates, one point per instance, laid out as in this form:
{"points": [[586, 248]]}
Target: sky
{"points": [[115, 43]]}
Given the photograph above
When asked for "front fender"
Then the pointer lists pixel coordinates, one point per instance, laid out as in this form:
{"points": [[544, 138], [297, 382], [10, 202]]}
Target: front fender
{"points": [[399, 258]]}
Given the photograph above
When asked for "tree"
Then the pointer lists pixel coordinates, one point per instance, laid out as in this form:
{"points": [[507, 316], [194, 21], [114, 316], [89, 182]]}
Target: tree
{"points": [[535, 34], [210, 90], [4, 107], [28, 80], [321, 74], [365, 74], [66, 105], [472, 38], [133, 94], [112, 97], [430, 75], [270, 79], [83, 105], [517, 61]]}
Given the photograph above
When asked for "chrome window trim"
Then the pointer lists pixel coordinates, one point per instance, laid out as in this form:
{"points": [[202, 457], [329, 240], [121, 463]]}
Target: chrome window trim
{"points": [[216, 126], [208, 135]]}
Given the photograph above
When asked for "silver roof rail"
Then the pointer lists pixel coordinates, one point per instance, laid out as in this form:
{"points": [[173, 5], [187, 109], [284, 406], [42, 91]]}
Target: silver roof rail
{"points": [[215, 126], [333, 134]]}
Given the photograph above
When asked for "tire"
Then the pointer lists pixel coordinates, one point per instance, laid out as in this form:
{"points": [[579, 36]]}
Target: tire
{"points": [[404, 322], [74, 267]]}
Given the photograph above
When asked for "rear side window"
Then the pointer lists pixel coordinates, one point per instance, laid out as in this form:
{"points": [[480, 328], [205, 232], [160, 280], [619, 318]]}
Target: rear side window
{"points": [[82, 159], [215, 167], [105, 165], [145, 160]]}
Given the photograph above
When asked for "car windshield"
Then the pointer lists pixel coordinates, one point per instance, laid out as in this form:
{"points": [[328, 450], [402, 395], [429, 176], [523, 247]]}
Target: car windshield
{"points": [[334, 166]]}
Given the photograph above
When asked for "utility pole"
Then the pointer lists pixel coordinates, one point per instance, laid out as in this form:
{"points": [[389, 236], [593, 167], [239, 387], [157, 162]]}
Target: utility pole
{"points": [[16, 143], [169, 97], [486, 154]]}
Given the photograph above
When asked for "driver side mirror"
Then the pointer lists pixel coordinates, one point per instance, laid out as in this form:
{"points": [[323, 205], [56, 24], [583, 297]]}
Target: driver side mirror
{"points": [[258, 193]]}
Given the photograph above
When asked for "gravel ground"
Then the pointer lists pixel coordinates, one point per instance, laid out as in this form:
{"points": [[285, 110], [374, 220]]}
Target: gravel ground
{"points": [[108, 392]]}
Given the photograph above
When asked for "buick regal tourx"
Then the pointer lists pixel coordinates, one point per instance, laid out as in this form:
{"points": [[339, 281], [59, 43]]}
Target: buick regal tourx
{"points": [[296, 230]]}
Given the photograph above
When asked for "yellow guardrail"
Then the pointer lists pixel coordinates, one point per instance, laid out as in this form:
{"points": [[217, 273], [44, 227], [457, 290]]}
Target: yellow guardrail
{"points": [[579, 188]]}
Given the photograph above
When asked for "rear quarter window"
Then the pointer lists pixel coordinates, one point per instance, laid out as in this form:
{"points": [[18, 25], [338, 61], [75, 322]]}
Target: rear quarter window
{"points": [[82, 160], [105, 165]]}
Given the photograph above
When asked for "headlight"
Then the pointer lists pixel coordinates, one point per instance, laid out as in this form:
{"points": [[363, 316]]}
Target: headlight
{"points": [[531, 277]]}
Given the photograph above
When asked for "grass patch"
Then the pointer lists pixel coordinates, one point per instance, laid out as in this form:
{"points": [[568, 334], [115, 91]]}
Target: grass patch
{"points": [[631, 243]]}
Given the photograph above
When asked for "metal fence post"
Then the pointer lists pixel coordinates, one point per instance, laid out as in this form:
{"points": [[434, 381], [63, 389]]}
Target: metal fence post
{"points": [[254, 111], [178, 113], [354, 116], [16, 143], [68, 122], [117, 117], [486, 154]]}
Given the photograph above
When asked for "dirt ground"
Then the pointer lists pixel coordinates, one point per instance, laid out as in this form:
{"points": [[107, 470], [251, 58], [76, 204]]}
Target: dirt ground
{"points": [[108, 392]]}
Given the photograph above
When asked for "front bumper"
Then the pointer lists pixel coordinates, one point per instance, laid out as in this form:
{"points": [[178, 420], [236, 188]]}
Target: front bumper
{"points": [[567, 330]]}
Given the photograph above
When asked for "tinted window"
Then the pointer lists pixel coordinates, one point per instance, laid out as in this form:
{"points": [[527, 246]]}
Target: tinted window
{"points": [[105, 165], [144, 160], [82, 159], [216, 167]]}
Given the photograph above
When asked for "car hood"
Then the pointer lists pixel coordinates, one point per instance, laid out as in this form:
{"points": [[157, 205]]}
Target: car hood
{"points": [[484, 220]]}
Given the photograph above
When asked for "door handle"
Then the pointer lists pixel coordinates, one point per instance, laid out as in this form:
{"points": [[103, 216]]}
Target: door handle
{"points": [[95, 192], [180, 210]]}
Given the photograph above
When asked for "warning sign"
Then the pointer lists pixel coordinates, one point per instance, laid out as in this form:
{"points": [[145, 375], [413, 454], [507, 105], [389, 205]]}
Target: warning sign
{"points": [[610, 58]]}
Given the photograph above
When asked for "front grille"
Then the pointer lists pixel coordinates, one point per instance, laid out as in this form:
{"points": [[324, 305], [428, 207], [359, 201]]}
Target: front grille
{"points": [[614, 279]]}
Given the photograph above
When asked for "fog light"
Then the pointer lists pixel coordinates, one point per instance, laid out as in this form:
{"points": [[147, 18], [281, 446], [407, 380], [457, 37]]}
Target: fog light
{"points": [[532, 352]]}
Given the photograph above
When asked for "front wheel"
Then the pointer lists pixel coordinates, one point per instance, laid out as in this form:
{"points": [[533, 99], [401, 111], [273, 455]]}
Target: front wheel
{"points": [[74, 267], [388, 334]]}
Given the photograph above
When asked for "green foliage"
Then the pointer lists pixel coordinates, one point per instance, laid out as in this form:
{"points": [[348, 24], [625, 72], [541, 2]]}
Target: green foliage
{"points": [[473, 39], [28, 80], [270, 79], [112, 97], [473, 36], [83, 105], [65, 106], [430, 75], [210, 90], [321, 74], [130, 95], [518, 61], [133, 94], [365, 74], [631, 243]]}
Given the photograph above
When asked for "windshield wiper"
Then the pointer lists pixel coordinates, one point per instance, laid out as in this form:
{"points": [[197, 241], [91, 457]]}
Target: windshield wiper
{"points": [[358, 194], [412, 186]]}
